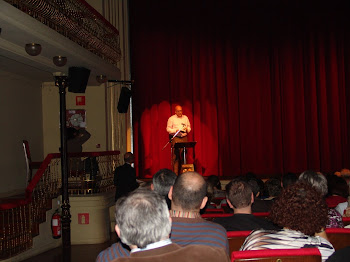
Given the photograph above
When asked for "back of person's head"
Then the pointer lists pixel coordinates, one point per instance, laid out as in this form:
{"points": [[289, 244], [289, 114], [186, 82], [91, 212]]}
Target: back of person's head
{"points": [[300, 207], [337, 186], [163, 180], [239, 193], [214, 181], [273, 186], [129, 158], [289, 179], [189, 191], [317, 180], [142, 218], [254, 186]]}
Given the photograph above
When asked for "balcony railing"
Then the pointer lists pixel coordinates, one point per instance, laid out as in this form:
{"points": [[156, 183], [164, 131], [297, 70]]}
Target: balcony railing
{"points": [[89, 173], [78, 21]]}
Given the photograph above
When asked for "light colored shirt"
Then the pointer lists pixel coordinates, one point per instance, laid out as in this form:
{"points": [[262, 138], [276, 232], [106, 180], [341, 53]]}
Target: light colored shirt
{"points": [[158, 244], [286, 239], [176, 123]]}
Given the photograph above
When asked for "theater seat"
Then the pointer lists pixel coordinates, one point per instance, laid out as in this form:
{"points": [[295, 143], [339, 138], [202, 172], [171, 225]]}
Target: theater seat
{"points": [[211, 216], [280, 255], [214, 211], [346, 221], [339, 237], [236, 239]]}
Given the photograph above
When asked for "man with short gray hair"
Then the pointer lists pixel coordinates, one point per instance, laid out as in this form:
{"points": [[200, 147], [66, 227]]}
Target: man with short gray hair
{"points": [[143, 223]]}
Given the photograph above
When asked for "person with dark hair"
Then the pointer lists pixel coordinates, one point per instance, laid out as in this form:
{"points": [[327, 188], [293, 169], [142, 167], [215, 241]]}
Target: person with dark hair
{"points": [[302, 212], [162, 181], [259, 205], [188, 196], [289, 179], [240, 198], [125, 177], [143, 223], [319, 182], [274, 188], [214, 182], [338, 190]]}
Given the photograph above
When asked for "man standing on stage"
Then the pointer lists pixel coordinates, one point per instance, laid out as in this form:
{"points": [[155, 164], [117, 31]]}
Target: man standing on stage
{"points": [[175, 123]]}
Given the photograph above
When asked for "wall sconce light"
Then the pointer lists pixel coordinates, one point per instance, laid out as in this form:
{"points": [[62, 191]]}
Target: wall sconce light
{"points": [[33, 49], [101, 79], [59, 60]]}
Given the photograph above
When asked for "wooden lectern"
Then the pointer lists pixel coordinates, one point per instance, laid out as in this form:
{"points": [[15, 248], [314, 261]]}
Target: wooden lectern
{"points": [[184, 146]]}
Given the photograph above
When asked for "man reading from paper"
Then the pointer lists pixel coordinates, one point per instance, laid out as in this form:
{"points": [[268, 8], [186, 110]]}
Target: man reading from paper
{"points": [[179, 124]]}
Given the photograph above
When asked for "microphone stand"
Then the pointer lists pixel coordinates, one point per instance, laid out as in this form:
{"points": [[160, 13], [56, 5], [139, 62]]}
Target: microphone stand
{"points": [[171, 139]]}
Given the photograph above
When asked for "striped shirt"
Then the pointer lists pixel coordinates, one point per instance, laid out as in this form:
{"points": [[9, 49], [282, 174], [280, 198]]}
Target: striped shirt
{"points": [[197, 231], [286, 239], [114, 251]]}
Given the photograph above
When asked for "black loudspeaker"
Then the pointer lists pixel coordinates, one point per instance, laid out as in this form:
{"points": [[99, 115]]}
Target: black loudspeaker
{"points": [[78, 78], [124, 100]]}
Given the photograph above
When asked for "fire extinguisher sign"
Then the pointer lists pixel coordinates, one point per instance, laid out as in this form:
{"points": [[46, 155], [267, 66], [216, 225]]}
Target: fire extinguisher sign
{"points": [[83, 218]]}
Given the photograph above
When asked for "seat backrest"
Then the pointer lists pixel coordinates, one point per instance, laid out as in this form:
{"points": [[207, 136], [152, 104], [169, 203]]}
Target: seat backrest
{"points": [[261, 214], [278, 255], [339, 237], [214, 211], [236, 239], [346, 221]]}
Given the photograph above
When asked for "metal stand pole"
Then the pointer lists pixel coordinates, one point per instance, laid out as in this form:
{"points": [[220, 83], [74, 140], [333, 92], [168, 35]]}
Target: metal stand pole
{"points": [[61, 82]]}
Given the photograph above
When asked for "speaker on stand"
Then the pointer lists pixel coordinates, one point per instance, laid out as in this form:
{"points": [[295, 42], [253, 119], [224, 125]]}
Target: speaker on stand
{"points": [[124, 100], [78, 78]]}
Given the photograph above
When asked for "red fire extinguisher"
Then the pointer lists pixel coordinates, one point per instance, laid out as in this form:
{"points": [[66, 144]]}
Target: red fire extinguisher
{"points": [[56, 225]]}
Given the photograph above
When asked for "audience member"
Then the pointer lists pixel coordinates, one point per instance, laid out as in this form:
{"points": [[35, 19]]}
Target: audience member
{"points": [[273, 187], [125, 177], [302, 212], [319, 182], [143, 223], [214, 181], [162, 181], [289, 179], [188, 228], [240, 198], [338, 191], [258, 205], [188, 196]]}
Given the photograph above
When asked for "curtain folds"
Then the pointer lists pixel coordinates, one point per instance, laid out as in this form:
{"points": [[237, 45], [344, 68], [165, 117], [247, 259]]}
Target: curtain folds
{"points": [[265, 86]]}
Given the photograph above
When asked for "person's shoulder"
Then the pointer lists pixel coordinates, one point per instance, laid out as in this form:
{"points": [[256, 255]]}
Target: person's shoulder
{"points": [[117, 250], [222, 219], [205, 253]]}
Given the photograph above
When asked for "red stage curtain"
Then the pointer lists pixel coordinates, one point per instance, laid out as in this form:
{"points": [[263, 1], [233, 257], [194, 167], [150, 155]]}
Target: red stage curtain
{"points": [[265, 84]]}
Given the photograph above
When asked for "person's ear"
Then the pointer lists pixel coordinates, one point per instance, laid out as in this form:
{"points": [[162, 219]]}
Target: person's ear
{"points": [[204, 202], [117, 229], [229, 203], [170, 194], [152, 187], [252, 199]]}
